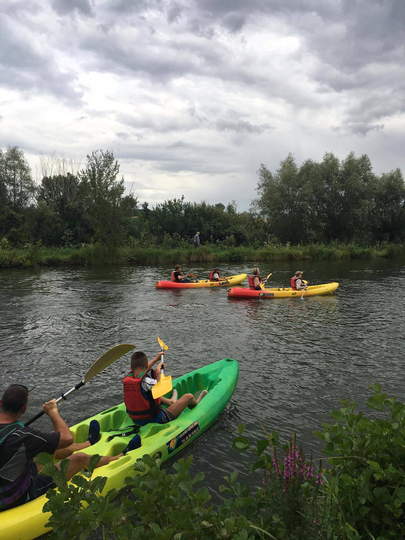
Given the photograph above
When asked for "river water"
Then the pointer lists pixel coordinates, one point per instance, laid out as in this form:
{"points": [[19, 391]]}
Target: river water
{"points": [[296, 357]]}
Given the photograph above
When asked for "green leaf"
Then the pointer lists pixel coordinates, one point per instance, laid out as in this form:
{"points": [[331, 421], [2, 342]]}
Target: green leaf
{"points": [[229, 525], [374, 404], [337, 415], [240, 444], [261, 446], [233, 477], [400, 493], [241, 428], [375, 466]]}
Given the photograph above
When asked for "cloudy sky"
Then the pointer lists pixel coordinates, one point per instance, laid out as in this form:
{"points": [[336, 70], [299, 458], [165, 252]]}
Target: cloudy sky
{"points": [[193, 95]]}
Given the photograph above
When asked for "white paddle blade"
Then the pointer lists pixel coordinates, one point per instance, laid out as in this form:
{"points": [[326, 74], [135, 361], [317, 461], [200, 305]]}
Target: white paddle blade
{"points": [[107, 359]]}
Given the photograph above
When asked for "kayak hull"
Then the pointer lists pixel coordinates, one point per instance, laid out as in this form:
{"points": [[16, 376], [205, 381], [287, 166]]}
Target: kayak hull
{"points": [[202, 283], [163, 440], [313, 290]]}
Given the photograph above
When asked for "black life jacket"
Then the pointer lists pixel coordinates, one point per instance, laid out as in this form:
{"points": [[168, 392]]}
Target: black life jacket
{"points": [[138, 407], [251, 282], [12, 492]]}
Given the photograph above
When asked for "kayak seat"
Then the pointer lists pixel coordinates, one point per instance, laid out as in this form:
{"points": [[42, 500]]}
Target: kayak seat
{"points": [[152, 429]]}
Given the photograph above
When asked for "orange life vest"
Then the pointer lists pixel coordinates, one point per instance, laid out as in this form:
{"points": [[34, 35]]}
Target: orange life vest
{"points": [[251, 282], [139, 407], [172, 275], [294, 283], [212, 275]]}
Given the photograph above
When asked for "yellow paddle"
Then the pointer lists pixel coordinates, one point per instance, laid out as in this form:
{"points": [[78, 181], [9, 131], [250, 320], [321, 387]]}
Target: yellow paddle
{"points": [[262, 284], [165, 384]]}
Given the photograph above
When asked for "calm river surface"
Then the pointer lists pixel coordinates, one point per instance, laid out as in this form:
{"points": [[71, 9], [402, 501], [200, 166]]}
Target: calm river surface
{"points": [[296, 357]]}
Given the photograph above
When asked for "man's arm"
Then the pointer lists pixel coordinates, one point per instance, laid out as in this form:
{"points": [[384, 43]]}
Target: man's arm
{"points": [[59, 425]]}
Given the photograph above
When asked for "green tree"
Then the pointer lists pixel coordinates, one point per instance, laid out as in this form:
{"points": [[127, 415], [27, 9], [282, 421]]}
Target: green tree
{"points": [[388, 213], [103, 197], [17, 189]]}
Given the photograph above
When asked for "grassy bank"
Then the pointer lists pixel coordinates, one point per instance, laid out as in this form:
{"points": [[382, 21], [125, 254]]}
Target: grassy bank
{"points": [[93, 254]]}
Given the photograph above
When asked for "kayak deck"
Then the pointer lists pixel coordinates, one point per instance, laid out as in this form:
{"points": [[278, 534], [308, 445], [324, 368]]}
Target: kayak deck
{"points": [[201, 283], [163, 440], [286, 292]]}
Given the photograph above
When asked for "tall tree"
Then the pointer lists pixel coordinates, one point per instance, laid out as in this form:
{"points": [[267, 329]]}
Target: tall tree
{"points": [[15, 179], [103, 197]]}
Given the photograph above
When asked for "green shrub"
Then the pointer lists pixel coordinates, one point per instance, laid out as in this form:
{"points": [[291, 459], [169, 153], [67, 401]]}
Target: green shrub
{"points": [[367, 458]]}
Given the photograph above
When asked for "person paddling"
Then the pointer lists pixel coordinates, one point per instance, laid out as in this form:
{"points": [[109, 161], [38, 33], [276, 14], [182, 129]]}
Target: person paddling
{"points": [[215, 275], [20, 481], [138, 384], [297, 283], [177, 276], [256, 280]]}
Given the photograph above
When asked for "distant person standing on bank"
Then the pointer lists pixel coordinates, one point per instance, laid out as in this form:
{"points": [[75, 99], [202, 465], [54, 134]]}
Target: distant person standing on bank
{"points": [[197, 240]]}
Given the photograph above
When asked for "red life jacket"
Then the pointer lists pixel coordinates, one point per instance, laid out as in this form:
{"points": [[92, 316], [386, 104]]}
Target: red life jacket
{"points": [[138, 407], [294, 283], [251, 282], [172, 274], [212, 276]]}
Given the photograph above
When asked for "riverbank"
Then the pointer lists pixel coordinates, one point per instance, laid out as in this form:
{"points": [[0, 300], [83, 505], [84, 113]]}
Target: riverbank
{"points": [[93, 254]]}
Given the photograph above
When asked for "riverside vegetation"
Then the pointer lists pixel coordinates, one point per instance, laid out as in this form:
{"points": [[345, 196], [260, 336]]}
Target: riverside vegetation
{"points": [[359, 495], [326, 210]]}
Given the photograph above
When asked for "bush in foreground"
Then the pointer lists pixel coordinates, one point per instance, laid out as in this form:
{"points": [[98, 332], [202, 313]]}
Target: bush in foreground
{"points": [[359, 496]]}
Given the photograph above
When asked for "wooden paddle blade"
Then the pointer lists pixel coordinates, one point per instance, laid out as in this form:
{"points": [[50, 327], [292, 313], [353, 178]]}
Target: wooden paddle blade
{"points": [[163, 387], [162, 345], [107, 359]]}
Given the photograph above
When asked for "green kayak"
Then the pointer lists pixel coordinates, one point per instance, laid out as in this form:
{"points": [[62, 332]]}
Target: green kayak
{"points": [[164, 440]]}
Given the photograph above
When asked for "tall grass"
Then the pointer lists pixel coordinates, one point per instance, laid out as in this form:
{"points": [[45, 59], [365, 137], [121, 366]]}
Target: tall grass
{"points": [[96, 254]]}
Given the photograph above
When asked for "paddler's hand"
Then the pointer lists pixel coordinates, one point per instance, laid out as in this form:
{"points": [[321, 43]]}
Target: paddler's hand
{"points": [[50, 407], [159, 368], [159, 356]]}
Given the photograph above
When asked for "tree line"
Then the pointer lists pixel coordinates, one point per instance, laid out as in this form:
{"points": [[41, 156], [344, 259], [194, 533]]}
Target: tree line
{"points": [[315, 203]]}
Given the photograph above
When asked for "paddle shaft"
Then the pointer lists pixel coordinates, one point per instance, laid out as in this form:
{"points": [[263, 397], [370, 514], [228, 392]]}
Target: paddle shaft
{"points": [[103, 362], [61, 398]]}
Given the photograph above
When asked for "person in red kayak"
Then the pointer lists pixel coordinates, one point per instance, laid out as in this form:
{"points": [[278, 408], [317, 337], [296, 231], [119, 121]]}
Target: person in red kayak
{"points": [[256, 280], [19, 445], [297, 283], [140, 404]]}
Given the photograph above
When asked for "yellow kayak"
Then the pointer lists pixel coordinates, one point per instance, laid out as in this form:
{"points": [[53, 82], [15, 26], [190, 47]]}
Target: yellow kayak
{"points": [[232, 280], [287, 292]]}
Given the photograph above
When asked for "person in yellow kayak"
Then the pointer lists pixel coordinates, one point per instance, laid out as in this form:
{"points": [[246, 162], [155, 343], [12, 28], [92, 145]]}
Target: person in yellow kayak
{"points": [[215, 275], [140, 404], [297, 283], [177, 276], [20, 481], [256, 280]]}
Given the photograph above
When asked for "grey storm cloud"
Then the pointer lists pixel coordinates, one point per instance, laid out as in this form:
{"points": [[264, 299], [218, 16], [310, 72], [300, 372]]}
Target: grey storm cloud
{"points": [[31, 67], [66, 7], [241, 126], [179, 85]]}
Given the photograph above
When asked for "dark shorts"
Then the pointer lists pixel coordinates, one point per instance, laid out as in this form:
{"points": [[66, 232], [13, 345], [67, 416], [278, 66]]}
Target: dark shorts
{"points": [[162, 418], [39, 484], [167, 416]]}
